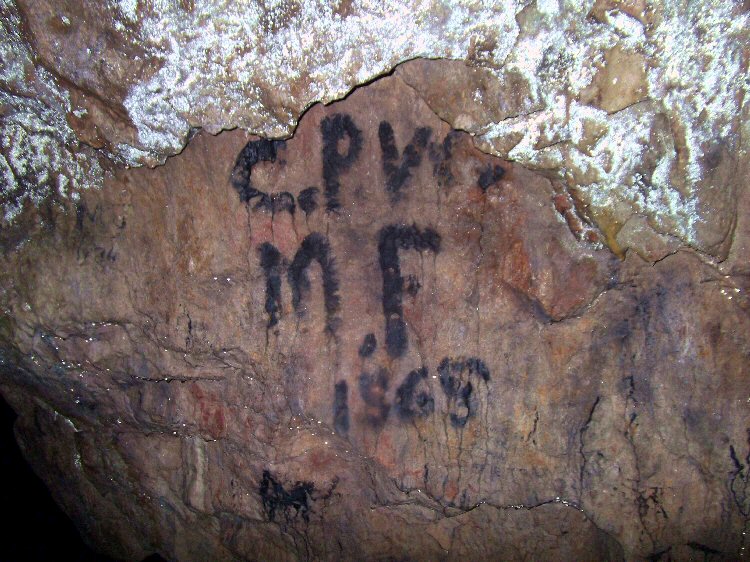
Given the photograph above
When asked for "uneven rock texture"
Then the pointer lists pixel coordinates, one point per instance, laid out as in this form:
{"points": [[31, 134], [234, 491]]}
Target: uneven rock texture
{"points": [[635, 105], [374, 341]]}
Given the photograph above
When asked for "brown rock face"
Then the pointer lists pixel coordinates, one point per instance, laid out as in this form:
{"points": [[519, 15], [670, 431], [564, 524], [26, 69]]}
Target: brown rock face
{"points": [[373, 341]]}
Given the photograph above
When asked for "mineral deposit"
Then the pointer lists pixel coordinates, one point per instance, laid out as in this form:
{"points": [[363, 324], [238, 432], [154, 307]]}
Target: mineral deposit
{"points": [[492, 307]]}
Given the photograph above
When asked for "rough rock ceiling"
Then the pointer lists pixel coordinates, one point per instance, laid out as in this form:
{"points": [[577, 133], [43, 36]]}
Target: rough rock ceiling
{"points": [[487, 307], [638, 106]]}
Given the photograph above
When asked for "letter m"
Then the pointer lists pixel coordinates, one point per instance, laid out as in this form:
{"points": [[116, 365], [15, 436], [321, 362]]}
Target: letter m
{"points": [[314, 247]]}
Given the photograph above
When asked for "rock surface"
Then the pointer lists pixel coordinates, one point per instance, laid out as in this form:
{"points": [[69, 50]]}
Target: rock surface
{"points": [[636, 106], [374, 341]]}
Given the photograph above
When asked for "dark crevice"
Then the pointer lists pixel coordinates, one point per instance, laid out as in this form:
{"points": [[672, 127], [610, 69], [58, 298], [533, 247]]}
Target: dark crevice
{"points": [[30, 509], [31, 512]]}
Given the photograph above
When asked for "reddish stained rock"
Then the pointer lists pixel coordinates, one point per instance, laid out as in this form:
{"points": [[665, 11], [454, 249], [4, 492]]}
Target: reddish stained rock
{"points": [[436, 368]]}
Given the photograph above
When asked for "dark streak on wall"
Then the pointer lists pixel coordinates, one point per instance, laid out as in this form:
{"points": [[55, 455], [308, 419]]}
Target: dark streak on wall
{"points": [[335, 129], [411, 404], [341, 408], [489, 176], [369, 344], [272, 264], [276, 498], [455, 379], [315, 247], [308, 200], [398, 174], [255, 151], [391, 239]]}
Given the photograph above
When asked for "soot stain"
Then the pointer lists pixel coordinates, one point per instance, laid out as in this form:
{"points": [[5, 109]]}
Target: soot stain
{"points": [[392, 239], [308, 200], [264, 203], [334, 129], [80, 216], [272, 263], [276, 498], [369, 344], [315, 247], [341, 408], [440, 156], [490, 175], [409, 403], [412, 285], [458, 388], [262, 150], [283, 201], [398, 174], [276, 203]]}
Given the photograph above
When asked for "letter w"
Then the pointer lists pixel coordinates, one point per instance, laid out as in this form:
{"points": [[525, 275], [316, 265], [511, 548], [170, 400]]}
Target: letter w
{"points": [[396, 175]]}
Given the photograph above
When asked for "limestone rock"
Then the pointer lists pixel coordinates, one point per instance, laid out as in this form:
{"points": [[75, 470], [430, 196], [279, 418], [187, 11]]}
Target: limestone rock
{"points": [[578, 90], [620, 83], [374, 341]]}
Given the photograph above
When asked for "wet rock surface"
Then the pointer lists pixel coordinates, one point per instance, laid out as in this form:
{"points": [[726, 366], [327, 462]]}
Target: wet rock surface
{"points": [[373, 340]]}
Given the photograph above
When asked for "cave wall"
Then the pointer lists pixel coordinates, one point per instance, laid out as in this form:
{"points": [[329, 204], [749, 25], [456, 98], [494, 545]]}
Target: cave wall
{"points": [[442, 320]]}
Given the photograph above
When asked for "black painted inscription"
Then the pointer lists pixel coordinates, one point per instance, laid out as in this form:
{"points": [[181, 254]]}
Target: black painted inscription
{"points": [[315, 247], [455, 379], [440, 156], [272, 263], [334, 130], [341, 407], [369, 344], [255, 151], [490, 175], [373, 388], [413, 398], [342, 144], [276, 498], [392, 239], [308, 200], [276, 203], [411, 402], [397, 174]]}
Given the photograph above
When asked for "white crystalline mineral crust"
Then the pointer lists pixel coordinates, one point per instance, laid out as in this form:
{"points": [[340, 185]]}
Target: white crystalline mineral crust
{"points": [[696, 77], [259, 65], [39, 152]]}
